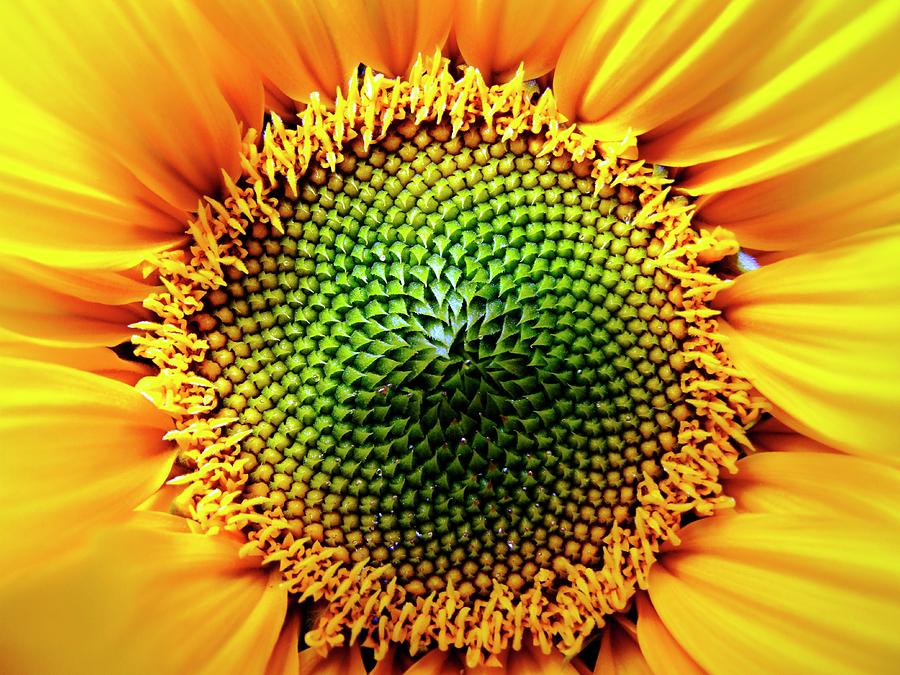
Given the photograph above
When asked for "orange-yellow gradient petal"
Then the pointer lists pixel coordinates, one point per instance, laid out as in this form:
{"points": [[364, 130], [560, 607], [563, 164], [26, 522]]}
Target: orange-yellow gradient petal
{"points": [[496, 36], [291, 44], [817, 484], [78, 451], [620, 653], [66, 200], [128, 89], [772, 593], [147, 596], [817, 335], [776, 110], [662, 652], [68, 307], [340, 661], [99, 360], [304, 47], [388, 35]]}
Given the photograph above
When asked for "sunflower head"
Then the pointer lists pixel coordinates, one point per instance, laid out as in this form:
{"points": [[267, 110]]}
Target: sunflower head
{"points": [[449, 367]]}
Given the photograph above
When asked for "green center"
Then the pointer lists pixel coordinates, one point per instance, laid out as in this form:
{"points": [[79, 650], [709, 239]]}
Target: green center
{"points": [[456, 361]]}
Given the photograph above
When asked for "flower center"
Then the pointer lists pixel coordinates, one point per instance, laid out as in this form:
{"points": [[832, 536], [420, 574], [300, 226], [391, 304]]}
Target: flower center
{"points": [[448, 364], [457, 360]]}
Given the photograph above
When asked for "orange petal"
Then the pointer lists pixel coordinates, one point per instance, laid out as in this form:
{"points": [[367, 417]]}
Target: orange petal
{"points": [[388, 35], [816, 484], [496, 36], [779, 594], [340, 661], [532, 661], [79, 451], [817, 335], [663, 653], [129, 87], [69, 306], [147, 592], [620, 654], [291, 44], [436, 662], [773, 436], [285, 659], [637, 65]]}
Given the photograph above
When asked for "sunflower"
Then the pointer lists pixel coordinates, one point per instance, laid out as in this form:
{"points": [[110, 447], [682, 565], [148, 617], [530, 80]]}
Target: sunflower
{"points": [[416, 337]]}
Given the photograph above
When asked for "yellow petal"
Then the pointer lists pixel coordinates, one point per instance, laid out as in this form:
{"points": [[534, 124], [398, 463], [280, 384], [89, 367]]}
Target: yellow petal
{"points": [[637, 65], [340, 661], [92, 307], [79, 451], [496, 36], [149, 593], [620, 654], [816, 484], [285, 658], [781, 594], [131, 110], [817, 335], [663, 653], [436, 662]]}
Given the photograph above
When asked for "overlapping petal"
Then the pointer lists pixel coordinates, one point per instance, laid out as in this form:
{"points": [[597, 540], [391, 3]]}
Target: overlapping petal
{"points": [[817, 335], [340, 661], [305, 47], [103, 158], [820, 594], [285, 659], [497, 36], [66, 306], [818, 485], [99, 360], [389, 35], [662, 652], [620, 653], [839, 179], [777, 112], [79, 451], [637, 66], [147, 595]]}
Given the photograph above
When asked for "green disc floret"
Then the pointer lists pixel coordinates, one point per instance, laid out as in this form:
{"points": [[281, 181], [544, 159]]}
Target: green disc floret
{"points": [[458, 360]]}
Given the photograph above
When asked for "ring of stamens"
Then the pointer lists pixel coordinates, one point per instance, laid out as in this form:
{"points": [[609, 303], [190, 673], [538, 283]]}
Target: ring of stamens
{"points": [[448, 364]]}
